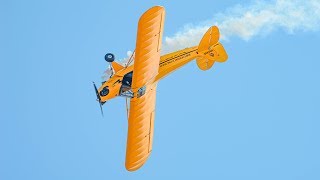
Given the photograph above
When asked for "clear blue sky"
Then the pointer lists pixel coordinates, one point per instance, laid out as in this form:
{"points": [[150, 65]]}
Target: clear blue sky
{"points": [[254, 117]]}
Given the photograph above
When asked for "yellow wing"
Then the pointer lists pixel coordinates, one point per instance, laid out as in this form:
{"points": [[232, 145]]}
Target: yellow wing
{"points": [[142, 105], [140, 129], [147, 55]]}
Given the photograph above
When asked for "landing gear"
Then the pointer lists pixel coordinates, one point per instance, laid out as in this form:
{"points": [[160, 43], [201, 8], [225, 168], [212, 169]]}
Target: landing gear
{"points": [[109, 57]]}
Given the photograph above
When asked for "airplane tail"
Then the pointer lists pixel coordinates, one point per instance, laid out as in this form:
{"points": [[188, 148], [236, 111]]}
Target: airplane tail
{"points": [[210, 49]]}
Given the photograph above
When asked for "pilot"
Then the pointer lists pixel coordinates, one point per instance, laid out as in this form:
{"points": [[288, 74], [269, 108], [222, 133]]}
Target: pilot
{"points": [[127, 79]]}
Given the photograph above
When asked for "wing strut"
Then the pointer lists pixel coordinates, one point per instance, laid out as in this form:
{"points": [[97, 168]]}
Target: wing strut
{"points": [[127, 108], [130, 60]]}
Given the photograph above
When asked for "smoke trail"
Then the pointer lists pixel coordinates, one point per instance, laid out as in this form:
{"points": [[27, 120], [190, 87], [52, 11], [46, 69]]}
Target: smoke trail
{"points": [[245, 22]]}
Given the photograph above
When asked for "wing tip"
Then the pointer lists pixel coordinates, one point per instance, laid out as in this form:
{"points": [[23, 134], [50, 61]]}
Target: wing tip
{"points": [[152, 10], [133, 166]]}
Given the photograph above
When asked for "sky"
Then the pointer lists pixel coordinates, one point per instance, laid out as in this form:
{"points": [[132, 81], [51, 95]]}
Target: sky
{"points": [[255, 116]]}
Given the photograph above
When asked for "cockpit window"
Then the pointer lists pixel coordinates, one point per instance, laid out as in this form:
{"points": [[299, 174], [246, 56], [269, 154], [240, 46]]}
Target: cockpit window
{"points": [[127, 79], [107, 74], [125, 89]]}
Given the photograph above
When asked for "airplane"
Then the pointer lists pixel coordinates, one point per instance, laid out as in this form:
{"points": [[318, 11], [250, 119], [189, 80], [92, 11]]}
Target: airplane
{"points": [[138, 82]]}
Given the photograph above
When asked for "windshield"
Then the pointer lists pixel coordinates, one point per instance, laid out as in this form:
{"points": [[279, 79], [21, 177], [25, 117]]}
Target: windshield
{"points": [[125, 89], [107, 74]]}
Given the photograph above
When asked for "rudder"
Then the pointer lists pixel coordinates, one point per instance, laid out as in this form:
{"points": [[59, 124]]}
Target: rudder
{"points": [[210, 50]]}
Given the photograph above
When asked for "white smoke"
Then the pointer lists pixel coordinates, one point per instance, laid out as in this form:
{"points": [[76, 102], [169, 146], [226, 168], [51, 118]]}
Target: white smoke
{"points": [[125, 60], [245, 22]]}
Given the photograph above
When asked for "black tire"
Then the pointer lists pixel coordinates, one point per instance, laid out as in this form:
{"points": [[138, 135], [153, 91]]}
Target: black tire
{"points": [[109, 57]]}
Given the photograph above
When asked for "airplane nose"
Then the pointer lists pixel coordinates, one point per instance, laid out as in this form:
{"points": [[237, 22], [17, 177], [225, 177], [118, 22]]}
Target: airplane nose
{"points": [[104, 91]]}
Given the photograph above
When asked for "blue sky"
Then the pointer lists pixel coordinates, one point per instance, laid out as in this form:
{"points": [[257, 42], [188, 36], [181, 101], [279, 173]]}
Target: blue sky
{"points": [[254, 117]]}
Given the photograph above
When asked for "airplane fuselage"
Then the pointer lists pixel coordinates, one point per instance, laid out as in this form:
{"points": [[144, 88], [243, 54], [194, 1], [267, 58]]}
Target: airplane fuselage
{"points": [[168, 63]]}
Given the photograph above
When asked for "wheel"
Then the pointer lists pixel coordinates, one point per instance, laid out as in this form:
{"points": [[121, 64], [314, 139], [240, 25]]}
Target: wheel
{"points": [[109, 57]]}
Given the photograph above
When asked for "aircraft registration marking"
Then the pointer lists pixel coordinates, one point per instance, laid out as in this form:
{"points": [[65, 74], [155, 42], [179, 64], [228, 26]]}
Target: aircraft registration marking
{"points": [[175, 58]]}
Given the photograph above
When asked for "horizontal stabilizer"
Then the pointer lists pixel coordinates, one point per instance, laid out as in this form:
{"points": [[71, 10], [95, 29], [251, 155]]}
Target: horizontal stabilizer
{"points": [[210, 50]]}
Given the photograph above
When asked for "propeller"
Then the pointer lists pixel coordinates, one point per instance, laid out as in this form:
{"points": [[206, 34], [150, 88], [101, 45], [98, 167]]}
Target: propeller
{"points": [[98, 97]]}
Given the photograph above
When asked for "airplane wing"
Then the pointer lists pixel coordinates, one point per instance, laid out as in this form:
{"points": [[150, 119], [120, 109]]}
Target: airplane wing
{"points": [[140, 129], [142, 105]]}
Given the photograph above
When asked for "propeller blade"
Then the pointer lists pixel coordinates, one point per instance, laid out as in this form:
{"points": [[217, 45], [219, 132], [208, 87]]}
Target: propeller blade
{"points": [[98, 98], [97, 92], [101, 109]]}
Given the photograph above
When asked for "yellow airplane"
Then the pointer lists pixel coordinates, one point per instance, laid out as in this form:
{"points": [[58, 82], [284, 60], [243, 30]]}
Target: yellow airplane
{"points": [[138, 82]]}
